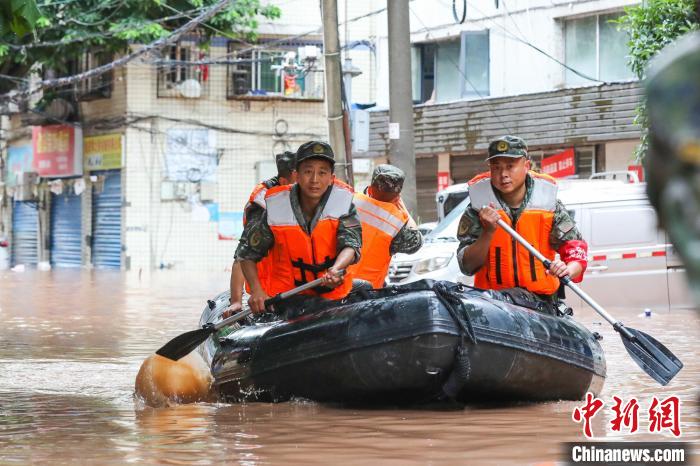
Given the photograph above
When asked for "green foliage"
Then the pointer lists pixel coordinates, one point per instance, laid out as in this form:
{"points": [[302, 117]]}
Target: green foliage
{"points": [[54, 32], [651, 27], [18, 17]]}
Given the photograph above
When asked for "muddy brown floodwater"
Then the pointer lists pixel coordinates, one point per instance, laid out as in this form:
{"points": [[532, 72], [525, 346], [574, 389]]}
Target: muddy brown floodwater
{"points": [[71, 343]]}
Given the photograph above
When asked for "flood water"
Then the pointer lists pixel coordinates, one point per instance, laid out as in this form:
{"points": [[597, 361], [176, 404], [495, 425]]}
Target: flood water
{"points": [[71, 343]]}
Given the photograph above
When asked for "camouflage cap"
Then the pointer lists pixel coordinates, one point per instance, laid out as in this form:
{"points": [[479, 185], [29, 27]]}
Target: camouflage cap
{"points": [[507, 146], [672, 163], [388, 178], [286, 162], [315, 150]]}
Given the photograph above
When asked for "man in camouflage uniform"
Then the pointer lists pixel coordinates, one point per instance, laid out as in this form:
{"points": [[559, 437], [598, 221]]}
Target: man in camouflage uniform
{"points": [[387, 226], [386, 185], [259, 237], [254, 208], [672, 165], [513, 185]]}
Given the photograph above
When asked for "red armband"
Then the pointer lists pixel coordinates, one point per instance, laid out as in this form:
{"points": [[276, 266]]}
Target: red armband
{"points": [[575, 251]]}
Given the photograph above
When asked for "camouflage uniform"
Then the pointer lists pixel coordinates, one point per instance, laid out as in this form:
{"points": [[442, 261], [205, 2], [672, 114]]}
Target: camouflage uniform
{"points": [[257, 239], [563, 227], [672, 165], [389, 178], [286, 163], [470, 228]]}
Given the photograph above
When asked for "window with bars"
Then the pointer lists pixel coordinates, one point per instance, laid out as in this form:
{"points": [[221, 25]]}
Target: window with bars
{"points": [[92, 88], [95, 87], [180, 74], [274, 72]]}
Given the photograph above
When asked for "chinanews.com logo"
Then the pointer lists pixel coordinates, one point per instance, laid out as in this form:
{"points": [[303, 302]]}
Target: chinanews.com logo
{"points": [[657, 415]]}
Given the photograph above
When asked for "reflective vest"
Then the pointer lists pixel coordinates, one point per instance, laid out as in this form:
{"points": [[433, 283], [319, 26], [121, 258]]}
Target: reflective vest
{"points": [[509, 264], [297, 257], [258, 197], [381, 222]]}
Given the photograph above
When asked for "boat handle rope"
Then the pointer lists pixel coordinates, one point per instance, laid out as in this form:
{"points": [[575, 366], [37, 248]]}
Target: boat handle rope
{"points": [[452, 303]]}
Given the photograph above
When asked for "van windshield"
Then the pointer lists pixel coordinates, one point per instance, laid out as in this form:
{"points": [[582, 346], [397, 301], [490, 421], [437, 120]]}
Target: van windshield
{"points": [[447, 229]]}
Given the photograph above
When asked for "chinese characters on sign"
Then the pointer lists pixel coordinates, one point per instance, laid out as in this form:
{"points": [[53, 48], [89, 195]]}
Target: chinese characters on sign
{"points": [[103, 152], [662, 415], [560, 165], [58, 151], [443, 180]]}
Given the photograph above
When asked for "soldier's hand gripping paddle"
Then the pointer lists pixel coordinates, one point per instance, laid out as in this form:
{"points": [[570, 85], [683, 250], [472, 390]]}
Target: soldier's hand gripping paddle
{"points": [[183, 345], [653, 357]]}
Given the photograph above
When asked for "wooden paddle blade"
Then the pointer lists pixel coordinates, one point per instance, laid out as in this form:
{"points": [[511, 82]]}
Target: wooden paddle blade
{"points": [[653, 357], [184, 344]]}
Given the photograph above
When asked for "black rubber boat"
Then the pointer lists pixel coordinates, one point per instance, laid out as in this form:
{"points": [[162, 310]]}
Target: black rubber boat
{"points": [[409, 344]]}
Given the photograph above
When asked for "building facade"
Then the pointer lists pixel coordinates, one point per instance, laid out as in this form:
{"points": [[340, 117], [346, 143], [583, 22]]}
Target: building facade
{"points": [[150, 166], [553, 73]]}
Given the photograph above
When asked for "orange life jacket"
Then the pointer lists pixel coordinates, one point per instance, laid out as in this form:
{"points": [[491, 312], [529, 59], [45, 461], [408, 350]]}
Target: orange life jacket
{"points": [[297, 257], [509, 264], [258, 197], [381, 222]]}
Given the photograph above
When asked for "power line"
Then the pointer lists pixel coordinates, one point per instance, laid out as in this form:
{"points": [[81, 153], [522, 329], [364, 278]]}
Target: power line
{"points": [[464, 76], [88, 37], [512, 36], [173, 37]]}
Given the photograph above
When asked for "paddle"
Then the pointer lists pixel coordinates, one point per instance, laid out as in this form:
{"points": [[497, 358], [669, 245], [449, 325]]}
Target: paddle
{"points": [[653, 357], [183, 345]]}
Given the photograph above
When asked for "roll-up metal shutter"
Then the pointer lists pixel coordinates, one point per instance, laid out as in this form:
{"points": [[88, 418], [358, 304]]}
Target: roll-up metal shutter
{"points": [[66, 230], [107, 223], [25, 232], [426, 187]]}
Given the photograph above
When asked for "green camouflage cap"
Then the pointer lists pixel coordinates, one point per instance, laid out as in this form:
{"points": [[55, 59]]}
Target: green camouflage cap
{"points": [[286, 162], [507, 146], [672, 163], [315, 150], [388, 178]]}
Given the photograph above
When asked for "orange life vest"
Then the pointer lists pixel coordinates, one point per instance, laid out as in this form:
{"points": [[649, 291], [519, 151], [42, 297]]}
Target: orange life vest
{"points": [[509, 264], [258, 197], [381, 222], [297, 257]]}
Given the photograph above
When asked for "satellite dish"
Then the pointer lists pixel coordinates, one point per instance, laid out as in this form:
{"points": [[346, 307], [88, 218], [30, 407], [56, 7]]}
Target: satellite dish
{"points": [[190, 88]]}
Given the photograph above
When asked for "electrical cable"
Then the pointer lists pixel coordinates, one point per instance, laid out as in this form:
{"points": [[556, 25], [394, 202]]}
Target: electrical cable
{"points": [[458, 19], [476, 91]]}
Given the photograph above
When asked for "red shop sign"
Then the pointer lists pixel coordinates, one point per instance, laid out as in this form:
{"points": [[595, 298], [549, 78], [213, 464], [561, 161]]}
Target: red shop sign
{"points": [[58, 151], [561, 164]]}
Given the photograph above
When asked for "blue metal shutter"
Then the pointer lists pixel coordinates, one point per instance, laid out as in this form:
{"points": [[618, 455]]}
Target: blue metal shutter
{"points": [[107, 223], [66, 230], [25, 232]]}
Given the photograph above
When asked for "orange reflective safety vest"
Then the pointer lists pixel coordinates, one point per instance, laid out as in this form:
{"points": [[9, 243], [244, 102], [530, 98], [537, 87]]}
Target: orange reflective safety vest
{"points": [[509, 264], [297, 257], [381, 222], [258, 197]]}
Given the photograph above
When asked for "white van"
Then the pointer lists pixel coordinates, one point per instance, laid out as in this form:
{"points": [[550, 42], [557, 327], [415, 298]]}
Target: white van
{"points": [[631, 263]]}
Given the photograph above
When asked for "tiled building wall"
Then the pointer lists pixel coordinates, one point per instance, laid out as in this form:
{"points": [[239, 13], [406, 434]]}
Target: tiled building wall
{"points": [[171, 233]]}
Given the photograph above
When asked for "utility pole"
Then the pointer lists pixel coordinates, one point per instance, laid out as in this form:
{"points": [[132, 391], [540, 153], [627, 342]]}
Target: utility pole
{"points": [[333, 75], [401, 151]]}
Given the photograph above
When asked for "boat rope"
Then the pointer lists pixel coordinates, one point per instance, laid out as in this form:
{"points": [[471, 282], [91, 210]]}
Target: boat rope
{"points": [[461, 369], [454, 305]]}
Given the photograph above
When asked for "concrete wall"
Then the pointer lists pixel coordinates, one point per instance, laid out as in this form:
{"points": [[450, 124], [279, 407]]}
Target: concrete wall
{"points": [[620, 154]]}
